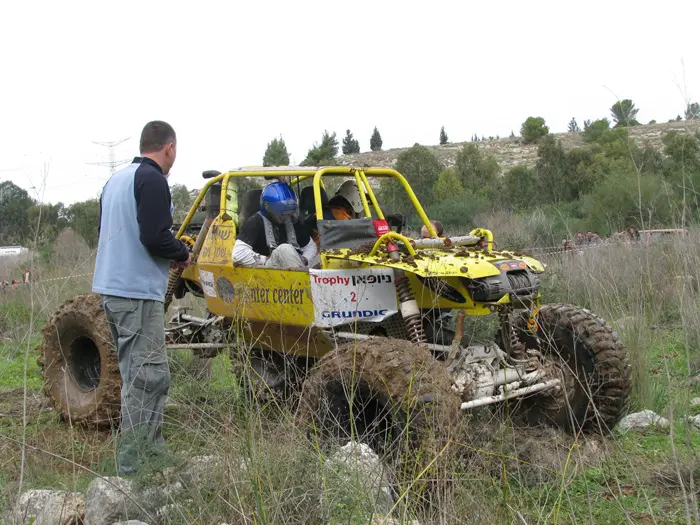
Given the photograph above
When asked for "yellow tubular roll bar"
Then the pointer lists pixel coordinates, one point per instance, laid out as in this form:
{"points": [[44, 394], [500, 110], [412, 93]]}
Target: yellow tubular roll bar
{"points": [[359, 183], [369, 190], [407, 187], [197, 202], [361, 179], [393, 235]]}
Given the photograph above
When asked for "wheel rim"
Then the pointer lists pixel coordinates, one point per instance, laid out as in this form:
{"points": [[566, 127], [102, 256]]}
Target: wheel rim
{"points": [[85, 363]]}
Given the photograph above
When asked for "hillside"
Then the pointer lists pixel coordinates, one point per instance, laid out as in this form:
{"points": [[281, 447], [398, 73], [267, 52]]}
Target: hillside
{"points": [[510, 152]]}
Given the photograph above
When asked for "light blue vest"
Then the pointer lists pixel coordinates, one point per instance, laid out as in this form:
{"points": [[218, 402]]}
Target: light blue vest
{"points": [[123, 267]]}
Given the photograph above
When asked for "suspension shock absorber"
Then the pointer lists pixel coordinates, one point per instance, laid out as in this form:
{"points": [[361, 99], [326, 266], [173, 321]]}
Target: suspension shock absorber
{"points": [[408, 304], [174, 274], [516, 348]]}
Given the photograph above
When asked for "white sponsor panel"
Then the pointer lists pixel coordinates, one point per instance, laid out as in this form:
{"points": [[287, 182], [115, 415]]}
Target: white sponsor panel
{"points": [[207, 281], [343, 296]]}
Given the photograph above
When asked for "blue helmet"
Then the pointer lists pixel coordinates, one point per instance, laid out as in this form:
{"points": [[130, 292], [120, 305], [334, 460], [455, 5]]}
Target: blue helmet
{"points": [[277, 201]]}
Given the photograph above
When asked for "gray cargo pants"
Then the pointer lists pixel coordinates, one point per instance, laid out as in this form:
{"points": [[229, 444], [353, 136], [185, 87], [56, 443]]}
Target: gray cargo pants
{"points": [[137, 326], [284, 256]]}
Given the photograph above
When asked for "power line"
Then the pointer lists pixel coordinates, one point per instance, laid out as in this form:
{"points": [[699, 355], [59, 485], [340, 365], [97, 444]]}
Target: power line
{"points": [[112, 163]]}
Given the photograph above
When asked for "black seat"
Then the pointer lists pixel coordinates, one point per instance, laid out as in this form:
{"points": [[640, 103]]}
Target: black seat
{"points": [[307, 206], [250, 204]]}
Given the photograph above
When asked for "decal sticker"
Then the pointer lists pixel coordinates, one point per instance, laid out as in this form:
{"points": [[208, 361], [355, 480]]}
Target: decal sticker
{"points": [[344, 296], [225, 289], [207, 281]]}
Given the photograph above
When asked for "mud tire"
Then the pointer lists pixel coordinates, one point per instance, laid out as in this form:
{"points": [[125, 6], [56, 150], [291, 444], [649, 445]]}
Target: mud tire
{"points": [[402, 397], [79, 363], [595, 366]]}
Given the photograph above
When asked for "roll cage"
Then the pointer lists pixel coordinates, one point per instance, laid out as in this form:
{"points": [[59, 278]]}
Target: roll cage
{"points": [[228, 200]]}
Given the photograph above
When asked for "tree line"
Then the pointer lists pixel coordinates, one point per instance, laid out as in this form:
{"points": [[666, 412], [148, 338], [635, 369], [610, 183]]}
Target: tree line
{"points": [[27, 222], [608, 184]]}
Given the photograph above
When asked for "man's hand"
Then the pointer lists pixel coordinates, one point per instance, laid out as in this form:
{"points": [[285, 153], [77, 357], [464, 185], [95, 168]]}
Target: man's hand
{"points": [[180, 265]]}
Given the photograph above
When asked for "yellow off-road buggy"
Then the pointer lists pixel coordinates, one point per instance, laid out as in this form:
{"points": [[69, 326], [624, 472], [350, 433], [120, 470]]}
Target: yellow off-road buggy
{"points": [[368, 339]]}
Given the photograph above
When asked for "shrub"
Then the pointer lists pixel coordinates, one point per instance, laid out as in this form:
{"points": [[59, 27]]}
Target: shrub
{"points": [[533, 129], [447, 185], [592, 131], [421, 168], [477, 173]]}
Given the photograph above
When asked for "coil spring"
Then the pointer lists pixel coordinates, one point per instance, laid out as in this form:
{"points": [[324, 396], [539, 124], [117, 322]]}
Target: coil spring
{"points": [[517, 347], [414, 323]]}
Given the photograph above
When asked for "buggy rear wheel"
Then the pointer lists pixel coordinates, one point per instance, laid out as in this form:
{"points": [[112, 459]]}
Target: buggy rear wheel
{"points": [[79, 363]]}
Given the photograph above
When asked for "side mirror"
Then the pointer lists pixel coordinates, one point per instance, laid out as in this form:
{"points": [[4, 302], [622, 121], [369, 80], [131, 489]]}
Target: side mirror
{"points": [[210, 174]]}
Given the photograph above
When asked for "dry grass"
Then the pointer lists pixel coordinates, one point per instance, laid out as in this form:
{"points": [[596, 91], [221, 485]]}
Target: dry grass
{"points": [[271, 471]]}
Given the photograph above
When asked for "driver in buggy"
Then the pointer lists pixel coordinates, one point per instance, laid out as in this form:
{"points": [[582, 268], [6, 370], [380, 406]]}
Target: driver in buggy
{"points": [[272, 237]]}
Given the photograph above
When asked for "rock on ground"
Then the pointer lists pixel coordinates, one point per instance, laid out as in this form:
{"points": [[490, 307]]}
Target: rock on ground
{"points": [[643, 419], [359, 459], [694, 421], [131, 522], [695, 402], [111, 500], [49, 507], [199, 468]]}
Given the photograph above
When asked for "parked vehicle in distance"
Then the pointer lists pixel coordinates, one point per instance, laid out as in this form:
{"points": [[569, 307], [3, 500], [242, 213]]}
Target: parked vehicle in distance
{"points": [[649, 236]]}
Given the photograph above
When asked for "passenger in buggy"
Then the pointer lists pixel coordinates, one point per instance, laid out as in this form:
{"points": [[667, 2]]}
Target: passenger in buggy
{"points": [[272, 237]]}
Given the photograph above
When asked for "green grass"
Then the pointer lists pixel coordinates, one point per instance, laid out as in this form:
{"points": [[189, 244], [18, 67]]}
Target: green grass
{"points": [[12, 363]]}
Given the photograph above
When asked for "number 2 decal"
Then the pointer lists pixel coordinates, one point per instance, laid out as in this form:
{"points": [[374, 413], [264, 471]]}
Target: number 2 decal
{"points": [[353, 297]]}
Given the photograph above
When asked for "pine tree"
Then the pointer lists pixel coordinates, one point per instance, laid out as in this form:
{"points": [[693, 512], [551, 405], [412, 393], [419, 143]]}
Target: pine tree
{"points": [[375, 142], [350, 144], [323, 153], [443, 136], [573, 125], [512, 134], [692, 111], [276, 153], [624, 113]]}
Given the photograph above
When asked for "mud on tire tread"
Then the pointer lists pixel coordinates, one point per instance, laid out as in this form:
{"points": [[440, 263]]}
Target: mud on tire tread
{"points": [[600, 398], [415, 386], [80, 317]]}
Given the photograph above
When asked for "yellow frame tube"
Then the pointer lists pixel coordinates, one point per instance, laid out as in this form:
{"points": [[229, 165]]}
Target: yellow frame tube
{"points": [[483, 232], [393, 235], [372, 197], [412, 196], [337, 170], [363, 198], [197, 201]]}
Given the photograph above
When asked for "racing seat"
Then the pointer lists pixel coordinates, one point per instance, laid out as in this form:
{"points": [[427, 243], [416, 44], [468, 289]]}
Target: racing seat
{"points": [[249, 206], [307, 206]]}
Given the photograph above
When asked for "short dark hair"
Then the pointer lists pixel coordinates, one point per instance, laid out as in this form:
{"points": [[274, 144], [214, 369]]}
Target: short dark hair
{"points": [[439, 228], [155, 136]]}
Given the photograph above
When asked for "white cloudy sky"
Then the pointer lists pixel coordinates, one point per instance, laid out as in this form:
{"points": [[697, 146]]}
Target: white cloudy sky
{"points": [[229, 76]]}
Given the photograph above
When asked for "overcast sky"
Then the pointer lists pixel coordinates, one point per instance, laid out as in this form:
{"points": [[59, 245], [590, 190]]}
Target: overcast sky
{"points": [[230, 76]]}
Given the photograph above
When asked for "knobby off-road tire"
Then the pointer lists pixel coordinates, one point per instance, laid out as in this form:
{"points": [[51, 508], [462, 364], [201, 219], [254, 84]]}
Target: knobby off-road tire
{"points": [[594, 365], [79, 363], [387, 393]]}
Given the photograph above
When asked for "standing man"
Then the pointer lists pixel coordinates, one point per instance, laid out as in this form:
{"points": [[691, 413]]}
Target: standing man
{"points": [[135, 250]]}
